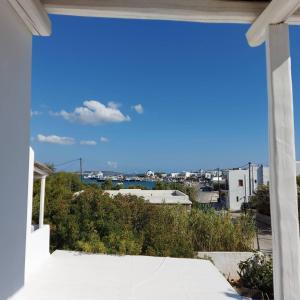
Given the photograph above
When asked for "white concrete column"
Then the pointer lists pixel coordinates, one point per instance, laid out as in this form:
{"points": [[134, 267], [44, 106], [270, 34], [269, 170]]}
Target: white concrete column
{"points": [[15, 85], [283, 189], [42, 201]]}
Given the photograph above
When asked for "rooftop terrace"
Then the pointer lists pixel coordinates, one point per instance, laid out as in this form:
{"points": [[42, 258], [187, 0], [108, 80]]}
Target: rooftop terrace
{"points": [[76, 276], [155, 196]]}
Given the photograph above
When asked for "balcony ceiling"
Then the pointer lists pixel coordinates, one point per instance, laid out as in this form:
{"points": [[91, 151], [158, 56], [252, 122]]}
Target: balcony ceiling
{"points": [[210, 11]]}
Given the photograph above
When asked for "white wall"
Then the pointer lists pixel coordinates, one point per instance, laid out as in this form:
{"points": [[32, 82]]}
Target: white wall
{"points": [[38, 249], [263, 175], [227, 262], [236, 193], [29, 208], [15, 82]]}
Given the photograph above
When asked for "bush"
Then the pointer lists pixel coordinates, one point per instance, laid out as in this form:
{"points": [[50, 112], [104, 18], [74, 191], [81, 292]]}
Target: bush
{"points": [[261, 199], [94, 222], [212, 231], [257, 273]]}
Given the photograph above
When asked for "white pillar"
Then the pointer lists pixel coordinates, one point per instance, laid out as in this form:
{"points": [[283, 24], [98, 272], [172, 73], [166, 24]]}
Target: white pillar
{"points": [[42, 201], [283, 189], [15, 83]]}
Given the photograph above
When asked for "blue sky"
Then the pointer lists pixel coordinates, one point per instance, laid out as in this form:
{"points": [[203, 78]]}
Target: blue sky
{"points": [[168, 95]]}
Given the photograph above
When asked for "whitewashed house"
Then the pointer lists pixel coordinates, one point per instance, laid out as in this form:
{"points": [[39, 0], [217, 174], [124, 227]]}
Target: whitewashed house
{"points": [[242, 184], [162, 197], [238, 188], [68, 275]]}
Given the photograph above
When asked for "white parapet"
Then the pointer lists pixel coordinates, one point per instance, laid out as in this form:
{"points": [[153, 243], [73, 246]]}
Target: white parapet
{"points": [[38, 249]]}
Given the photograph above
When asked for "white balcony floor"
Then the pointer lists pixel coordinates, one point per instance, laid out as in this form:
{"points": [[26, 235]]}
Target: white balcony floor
{"points": [[76, 276]]}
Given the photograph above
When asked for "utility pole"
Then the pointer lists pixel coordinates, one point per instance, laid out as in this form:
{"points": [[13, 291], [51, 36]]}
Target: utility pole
{"points": [[81, 175], [219, 185], [245, 198], [250, 190]]}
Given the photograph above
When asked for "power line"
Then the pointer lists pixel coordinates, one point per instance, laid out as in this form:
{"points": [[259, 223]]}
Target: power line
{"points": [[67, 162], [72, 161]]}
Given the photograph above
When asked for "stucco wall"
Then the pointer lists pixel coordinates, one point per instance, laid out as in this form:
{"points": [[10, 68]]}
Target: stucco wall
{"points": [[236, 193], [15, 82], [227, 262], [38, 250]]}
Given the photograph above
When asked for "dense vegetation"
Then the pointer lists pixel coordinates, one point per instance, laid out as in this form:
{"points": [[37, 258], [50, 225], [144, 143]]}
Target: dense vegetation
{"points": [[257, 273], [91, 221], [261, 199]]}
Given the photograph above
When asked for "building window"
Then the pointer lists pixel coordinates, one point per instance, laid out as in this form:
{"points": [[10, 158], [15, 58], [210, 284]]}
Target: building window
{"points": [[241, 182]]}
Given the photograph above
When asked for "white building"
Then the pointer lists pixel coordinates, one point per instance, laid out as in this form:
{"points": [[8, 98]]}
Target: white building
{"points": [[238, 183], [263, 175], [66, 276], [241, 185], [169, 197], [186, 174], [208, 175], [238, 189], [216, 179], [150, 173], [174, 175]]}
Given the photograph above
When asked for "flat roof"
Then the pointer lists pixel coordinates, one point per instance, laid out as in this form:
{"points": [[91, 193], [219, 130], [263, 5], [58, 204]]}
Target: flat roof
{"points": [[155, 196], [78, 276]]}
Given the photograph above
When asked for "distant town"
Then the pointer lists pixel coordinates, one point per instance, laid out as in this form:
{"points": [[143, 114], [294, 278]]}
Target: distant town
{"points": [[230, 188]]}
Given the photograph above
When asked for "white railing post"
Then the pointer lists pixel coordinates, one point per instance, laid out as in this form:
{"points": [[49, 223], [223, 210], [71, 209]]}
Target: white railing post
{"points": [[283, 188], [42, 201]]}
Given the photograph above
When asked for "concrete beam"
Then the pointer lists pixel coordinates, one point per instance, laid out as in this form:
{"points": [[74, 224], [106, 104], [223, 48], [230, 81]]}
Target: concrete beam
{"points": [[211, 11], [278, 11], [33, 15], [208, 11]]}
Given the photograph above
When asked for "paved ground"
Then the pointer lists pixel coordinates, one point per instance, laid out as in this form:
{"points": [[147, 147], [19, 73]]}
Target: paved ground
{"points": [[264, 240], [77, 276]]}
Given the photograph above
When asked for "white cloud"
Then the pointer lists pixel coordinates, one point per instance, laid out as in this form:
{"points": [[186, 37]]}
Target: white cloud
{"points": [[112, 164], [35, 113], [94, 112], [104, 139], [88, 143], [113, 104], [138, 108], [54, 139]]}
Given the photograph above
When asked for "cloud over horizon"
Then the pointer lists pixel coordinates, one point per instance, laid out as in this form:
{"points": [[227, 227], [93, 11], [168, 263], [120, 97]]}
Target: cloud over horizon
{"points": [[55, 139], [94, 113], [104, 139], [112, 164], [138, 108], [88, 143]]}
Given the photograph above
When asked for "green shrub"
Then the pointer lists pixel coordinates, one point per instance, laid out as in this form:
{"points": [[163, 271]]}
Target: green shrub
{"points": [[94, 222], [261, 199], [257, 273], [213, 231]]}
